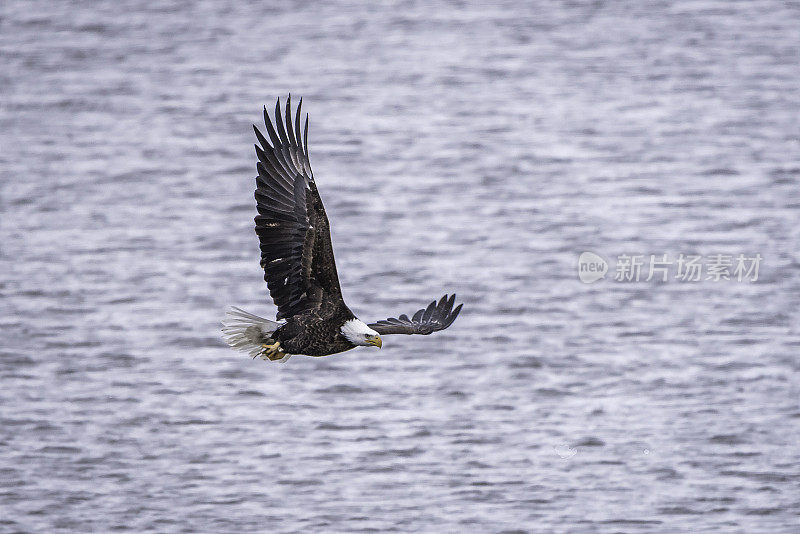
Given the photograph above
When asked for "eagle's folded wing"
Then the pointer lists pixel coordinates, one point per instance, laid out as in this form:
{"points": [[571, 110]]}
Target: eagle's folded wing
{"points": [[437, 316]]}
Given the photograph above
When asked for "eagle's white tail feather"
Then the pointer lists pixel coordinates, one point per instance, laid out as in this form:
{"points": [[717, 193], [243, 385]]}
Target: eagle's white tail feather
{"points": [[247, 332]]}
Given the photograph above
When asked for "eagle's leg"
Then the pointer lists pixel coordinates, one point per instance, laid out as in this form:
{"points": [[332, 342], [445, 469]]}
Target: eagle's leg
{"points": [[272, 352]]}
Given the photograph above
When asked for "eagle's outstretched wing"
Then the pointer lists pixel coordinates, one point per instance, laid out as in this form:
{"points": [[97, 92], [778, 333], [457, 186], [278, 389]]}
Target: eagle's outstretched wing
{"points": [[296, 250], [437, 316]]}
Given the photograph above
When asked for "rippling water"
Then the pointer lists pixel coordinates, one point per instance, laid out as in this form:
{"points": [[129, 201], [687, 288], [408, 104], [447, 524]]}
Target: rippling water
{"points": [[458, 147]]}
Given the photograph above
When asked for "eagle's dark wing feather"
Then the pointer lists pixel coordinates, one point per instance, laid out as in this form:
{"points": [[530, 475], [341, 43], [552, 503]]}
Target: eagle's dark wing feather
{"points": [[296, 250], [437, 316]]}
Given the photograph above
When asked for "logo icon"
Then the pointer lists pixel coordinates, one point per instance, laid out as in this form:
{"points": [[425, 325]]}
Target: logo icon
{"points": [[591, 267], [564, 451]]}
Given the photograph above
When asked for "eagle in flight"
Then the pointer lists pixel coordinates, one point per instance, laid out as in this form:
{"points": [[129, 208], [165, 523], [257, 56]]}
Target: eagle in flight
{"points": [[299, 268]]}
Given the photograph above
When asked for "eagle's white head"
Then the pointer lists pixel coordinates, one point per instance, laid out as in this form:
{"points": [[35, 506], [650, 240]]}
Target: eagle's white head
{"points": [[359, 334]]}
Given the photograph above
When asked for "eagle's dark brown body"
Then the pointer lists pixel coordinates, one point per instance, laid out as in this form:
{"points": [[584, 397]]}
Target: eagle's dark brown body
{"points": [[315, 333]]}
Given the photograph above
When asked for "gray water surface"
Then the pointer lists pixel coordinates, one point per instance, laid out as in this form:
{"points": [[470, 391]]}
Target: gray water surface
{"points": [[459, 147]]}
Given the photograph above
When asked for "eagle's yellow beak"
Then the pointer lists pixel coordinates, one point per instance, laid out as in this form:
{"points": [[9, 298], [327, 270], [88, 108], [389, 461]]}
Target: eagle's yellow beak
{"points": [[375, 340]]}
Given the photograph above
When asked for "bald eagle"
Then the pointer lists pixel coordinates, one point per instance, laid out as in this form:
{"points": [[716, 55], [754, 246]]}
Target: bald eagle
{"points": [[298, 263]]}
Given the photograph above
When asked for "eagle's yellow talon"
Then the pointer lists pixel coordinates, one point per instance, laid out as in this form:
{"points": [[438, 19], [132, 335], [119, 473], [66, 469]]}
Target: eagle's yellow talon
{"points": [[272, 352]]}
